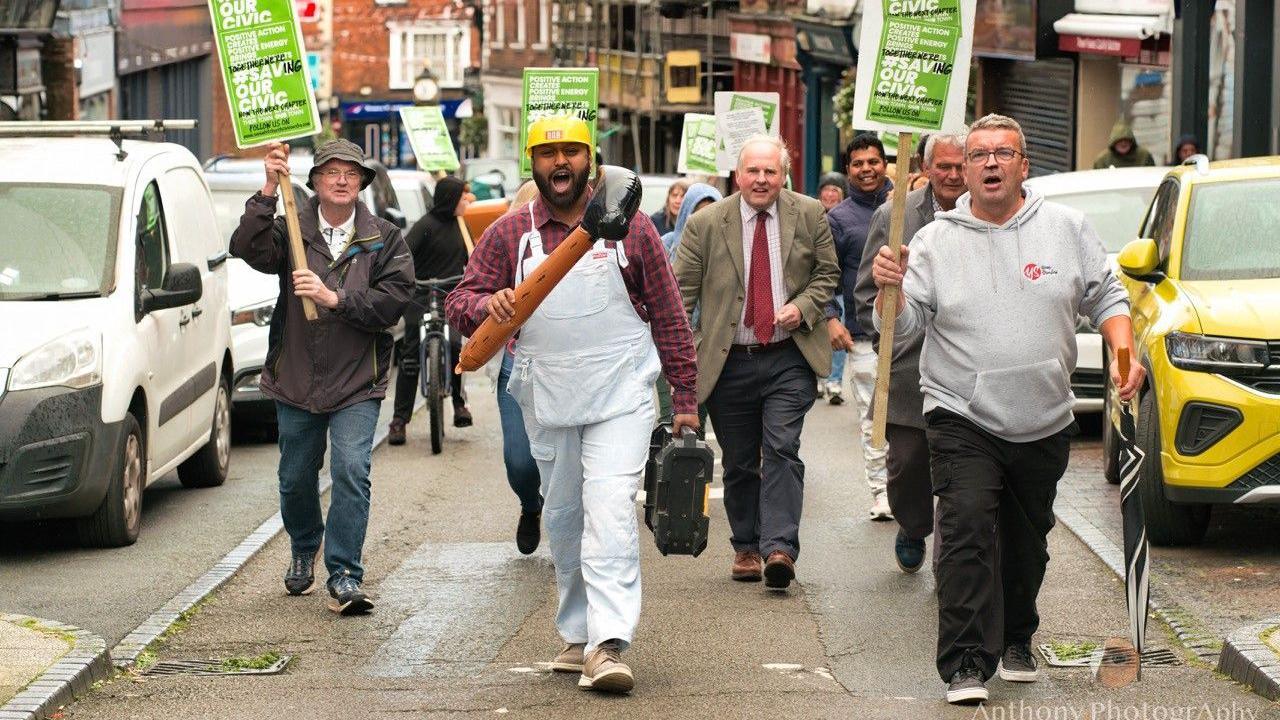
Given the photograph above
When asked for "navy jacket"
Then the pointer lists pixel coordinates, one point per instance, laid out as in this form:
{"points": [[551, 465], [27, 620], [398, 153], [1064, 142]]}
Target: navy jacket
{"points": [[849, 223]]}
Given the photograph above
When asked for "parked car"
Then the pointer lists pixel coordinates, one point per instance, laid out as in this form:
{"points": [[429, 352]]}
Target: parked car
{"points": [[492, 178], [115, 360], [251, 297], [413, 191], [379, 196], [1114, 201], [1204, 282]]}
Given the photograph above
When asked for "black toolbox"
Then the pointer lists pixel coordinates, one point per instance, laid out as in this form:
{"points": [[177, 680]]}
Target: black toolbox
{"points": [[677, 482]]}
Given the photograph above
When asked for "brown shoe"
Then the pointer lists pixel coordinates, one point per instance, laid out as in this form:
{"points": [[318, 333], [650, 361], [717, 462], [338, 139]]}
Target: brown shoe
{"points": [[604, 670], [395, 434], [779, 571], [746, 566]]}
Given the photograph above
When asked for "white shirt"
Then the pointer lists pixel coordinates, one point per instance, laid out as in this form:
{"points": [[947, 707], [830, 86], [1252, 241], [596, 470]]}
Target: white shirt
{"points": [[745, 335], [337, 235]]}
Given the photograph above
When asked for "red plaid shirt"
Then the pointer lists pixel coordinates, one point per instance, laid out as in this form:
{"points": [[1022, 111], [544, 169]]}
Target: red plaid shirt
{"points": [[648, 276]]}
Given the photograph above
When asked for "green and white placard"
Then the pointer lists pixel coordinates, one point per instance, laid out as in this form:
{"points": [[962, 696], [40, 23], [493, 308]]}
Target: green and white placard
{"points": [[914, 71], [429, 137], [734, 123], [558, 91], [698, 146], [264, 69]]}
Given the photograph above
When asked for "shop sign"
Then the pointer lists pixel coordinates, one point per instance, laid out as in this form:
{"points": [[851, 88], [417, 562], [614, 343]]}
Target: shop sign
{"points": [[549, 92], [429, 137], [913, 71], [264, 70], [1119, 47], [750, 47]]}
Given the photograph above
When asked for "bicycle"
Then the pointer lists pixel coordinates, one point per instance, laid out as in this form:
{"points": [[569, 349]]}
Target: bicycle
{"points": [[435, 379]]}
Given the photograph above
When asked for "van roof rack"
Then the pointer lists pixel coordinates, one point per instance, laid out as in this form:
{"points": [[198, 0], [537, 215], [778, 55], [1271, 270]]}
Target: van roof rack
{"points": [[117, 130]]}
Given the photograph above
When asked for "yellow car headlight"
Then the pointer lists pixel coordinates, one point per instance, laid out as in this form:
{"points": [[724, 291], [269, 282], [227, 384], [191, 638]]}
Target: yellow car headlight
{"points": [[1214, 354]]}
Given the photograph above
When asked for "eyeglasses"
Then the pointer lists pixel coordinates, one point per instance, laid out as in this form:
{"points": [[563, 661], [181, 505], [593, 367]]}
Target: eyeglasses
{"points": [[335, 173], [1004, 155]]}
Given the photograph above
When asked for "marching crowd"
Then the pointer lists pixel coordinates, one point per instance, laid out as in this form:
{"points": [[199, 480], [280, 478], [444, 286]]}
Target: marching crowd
{"points": [[730, 309]]}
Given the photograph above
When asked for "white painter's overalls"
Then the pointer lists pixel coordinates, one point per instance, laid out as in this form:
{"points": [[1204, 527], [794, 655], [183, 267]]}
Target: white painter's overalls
{"points": [[585, 365]]}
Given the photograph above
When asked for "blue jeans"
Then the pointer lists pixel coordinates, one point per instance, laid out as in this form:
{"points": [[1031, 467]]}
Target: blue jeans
{"points": [[837, 356], [522, 469], [302, 446]]}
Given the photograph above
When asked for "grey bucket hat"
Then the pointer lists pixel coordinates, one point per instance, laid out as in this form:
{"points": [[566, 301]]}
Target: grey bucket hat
{"points": [[341, 150]]}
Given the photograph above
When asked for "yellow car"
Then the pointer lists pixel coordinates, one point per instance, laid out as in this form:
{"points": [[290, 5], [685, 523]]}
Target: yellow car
{"points": [[1204, 282]]}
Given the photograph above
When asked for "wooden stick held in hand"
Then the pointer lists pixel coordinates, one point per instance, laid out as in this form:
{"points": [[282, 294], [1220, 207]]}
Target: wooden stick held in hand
{"points": [[889, 306], [296, 249]]}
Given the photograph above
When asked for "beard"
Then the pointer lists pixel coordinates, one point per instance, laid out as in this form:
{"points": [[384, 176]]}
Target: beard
{"points": [[562, 200]]}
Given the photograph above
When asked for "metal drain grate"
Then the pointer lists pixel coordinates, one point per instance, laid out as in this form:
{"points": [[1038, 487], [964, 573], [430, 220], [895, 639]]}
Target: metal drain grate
{"points": [[214, 667], [1154, 657]]}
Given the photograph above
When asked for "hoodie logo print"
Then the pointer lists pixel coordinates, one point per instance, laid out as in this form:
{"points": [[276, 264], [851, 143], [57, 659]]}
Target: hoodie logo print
{"points": [[1033, 271]]}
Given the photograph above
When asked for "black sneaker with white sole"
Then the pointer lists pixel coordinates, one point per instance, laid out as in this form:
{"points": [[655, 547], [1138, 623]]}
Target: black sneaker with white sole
{"points": [[1018, 664], [300, 578], [967, 686], [348, 598]]}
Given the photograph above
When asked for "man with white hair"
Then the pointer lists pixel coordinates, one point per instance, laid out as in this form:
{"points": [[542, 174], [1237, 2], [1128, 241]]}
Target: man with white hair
{"points": [[995, 287], [909, 491], [762, 266]]}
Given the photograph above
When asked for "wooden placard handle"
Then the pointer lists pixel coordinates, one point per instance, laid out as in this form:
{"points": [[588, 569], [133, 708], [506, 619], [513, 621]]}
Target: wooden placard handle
{"points": [[296, 249], [1122, 362], [889, 305]]}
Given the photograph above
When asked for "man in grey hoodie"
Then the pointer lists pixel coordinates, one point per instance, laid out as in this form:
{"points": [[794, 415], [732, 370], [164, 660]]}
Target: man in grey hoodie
{"points": [[995, 286]]}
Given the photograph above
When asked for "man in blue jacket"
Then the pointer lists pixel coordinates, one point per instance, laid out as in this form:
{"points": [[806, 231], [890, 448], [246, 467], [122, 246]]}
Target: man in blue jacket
{"points": [[850, 220]]}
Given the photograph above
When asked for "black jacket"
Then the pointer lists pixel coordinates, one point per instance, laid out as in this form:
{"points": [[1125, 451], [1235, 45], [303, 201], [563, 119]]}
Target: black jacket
{"points": [[343, 356]]}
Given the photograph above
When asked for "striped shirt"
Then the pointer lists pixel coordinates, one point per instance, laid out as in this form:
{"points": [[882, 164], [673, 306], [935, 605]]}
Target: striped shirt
{"points": [[746, 335]]}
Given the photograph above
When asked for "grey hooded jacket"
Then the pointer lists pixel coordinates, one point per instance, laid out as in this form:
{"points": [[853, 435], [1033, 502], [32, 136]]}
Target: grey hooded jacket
{"points": [[997, 306]]}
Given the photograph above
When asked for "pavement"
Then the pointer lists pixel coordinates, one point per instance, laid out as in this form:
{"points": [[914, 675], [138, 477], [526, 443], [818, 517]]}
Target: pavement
{"points": [[463, 620], [27, 652]]}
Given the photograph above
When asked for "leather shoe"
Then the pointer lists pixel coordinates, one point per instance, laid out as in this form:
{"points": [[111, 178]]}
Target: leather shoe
{"points": [[395, 436], [779, 571], [746, 566]]}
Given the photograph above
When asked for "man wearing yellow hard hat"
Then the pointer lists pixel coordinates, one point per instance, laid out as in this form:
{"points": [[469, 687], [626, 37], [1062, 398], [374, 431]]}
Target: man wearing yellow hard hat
{"points": [[583, 374]]}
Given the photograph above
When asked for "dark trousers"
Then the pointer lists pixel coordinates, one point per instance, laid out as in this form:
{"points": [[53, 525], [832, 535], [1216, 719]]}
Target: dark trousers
{"points": [[995, 511], [910, 490], [522, 469], [758, 408], [410, 364]]}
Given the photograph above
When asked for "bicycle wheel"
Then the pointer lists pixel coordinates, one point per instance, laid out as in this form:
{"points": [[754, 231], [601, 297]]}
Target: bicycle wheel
{"points": [[435, 392]]}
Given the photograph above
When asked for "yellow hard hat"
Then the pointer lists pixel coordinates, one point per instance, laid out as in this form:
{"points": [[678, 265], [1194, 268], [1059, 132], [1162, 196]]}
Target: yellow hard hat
{"points": [[557, 129]]}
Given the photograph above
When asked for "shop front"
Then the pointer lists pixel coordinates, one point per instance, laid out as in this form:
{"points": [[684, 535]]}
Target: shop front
{"points": [[23, 30], [826, 51], [763, 48], [1023, 74], [1122, 61], [375, 126], [166, 69]]}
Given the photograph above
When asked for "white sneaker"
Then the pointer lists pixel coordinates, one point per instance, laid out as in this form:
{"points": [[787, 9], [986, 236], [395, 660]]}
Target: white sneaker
{"points": [[835, 393], [880, 510]]}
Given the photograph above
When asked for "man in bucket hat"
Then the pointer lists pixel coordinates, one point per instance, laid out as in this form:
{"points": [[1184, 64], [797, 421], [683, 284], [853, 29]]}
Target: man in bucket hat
{"points": [[327, 376]]}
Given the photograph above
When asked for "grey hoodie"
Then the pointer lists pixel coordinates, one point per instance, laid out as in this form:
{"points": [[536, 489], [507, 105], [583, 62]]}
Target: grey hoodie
{"points": [[998, 309]]}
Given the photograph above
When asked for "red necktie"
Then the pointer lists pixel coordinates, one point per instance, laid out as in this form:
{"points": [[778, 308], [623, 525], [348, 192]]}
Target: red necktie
{"points": [[759, 315]]}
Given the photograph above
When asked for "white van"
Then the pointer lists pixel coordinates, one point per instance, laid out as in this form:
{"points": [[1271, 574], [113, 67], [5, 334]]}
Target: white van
{"points": [[115, 358]]}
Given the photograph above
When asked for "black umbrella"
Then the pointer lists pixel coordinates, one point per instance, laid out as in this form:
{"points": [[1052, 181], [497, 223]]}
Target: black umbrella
{"points": [[1137, 557]]}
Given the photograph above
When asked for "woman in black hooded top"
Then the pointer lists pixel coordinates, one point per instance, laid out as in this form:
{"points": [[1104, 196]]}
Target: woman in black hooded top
{"points": [[439, 251]]}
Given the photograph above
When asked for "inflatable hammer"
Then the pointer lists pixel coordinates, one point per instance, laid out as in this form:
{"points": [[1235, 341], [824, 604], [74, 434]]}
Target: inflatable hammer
{"points": [[607, 217]]}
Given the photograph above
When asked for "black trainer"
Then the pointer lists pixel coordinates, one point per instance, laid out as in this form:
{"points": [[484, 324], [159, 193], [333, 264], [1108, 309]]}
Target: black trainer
{"points": [[348, 598], [528, 532], [1018, 664], [967, 687], [300, 578], [461, 416], [909, 552]]}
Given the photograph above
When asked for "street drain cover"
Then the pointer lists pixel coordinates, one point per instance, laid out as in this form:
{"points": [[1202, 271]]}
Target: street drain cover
{"points": [[1154, 657], [215, 667]]}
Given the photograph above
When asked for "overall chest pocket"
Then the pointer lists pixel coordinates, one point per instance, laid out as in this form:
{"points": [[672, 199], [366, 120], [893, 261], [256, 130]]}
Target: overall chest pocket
{"points": [[584, 291]]}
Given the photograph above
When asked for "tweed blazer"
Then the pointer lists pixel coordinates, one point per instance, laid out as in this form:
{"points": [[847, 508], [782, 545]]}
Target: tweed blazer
{"points": [[709, 268]]}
